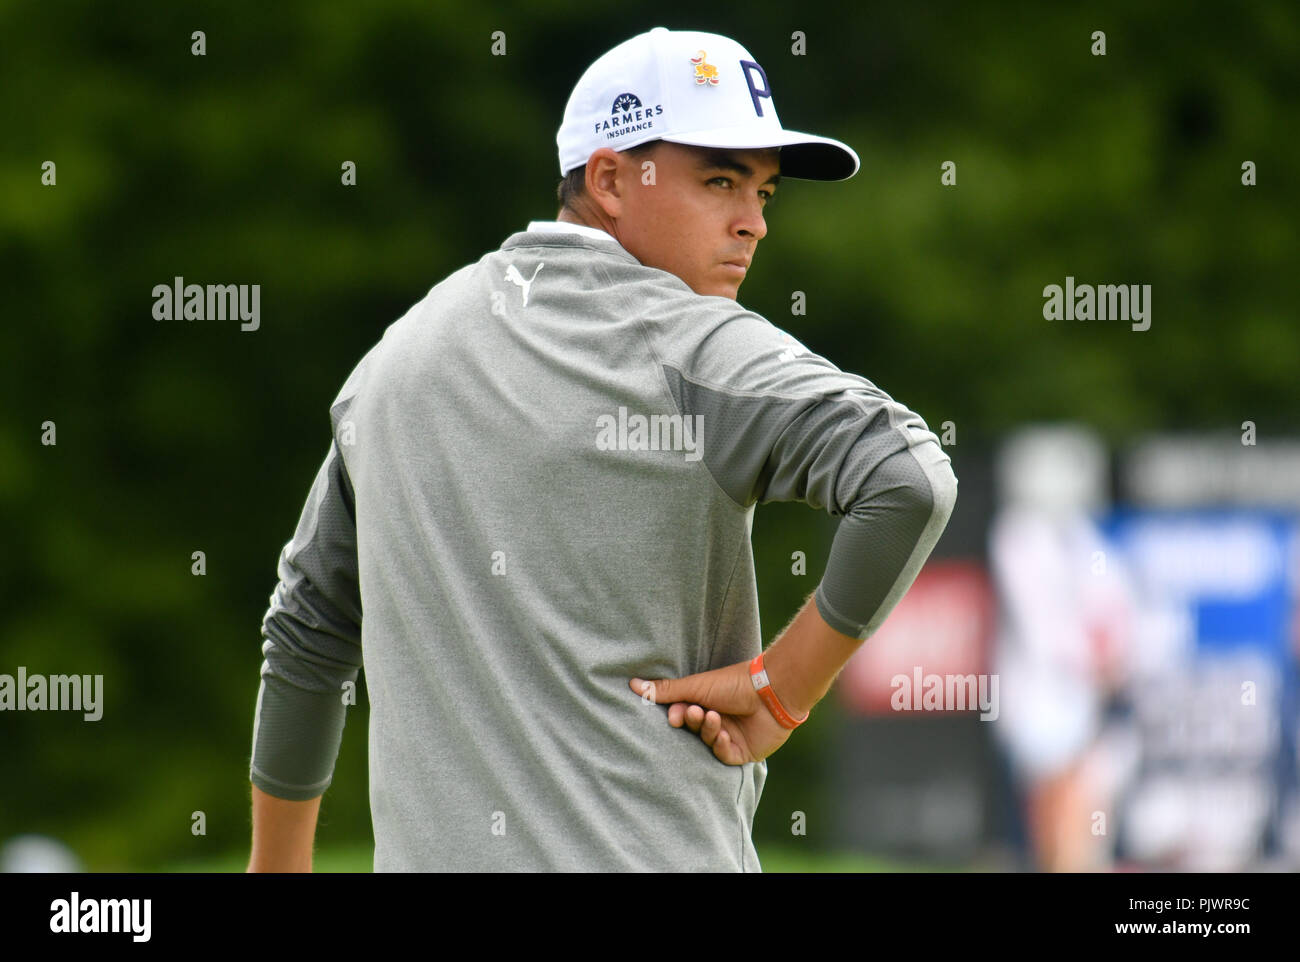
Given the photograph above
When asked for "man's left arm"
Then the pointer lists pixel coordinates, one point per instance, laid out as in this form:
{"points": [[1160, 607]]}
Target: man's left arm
{"points": [[312, 632]]}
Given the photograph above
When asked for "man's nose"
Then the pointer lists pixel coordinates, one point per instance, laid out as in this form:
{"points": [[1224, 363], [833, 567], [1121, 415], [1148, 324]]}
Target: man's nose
{"points": [[751, 223]]}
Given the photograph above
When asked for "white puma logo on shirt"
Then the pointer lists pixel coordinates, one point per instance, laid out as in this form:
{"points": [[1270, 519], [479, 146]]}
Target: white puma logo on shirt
{"points": [[514, 277], [792, 350]]}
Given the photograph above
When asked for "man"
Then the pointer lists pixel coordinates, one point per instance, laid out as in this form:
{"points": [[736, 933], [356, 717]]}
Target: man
{"points": [[541, 489]]}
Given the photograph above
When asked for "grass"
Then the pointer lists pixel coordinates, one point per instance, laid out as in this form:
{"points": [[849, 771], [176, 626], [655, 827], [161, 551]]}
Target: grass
{"points": [[360, 858]]}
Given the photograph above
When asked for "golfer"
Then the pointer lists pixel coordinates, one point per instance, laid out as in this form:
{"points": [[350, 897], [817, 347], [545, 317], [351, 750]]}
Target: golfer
{"points": [[532, 525]]}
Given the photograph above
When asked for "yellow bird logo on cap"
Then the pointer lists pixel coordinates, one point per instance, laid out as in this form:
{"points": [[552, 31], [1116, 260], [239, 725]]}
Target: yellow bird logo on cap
{"points": [[705, 73]]}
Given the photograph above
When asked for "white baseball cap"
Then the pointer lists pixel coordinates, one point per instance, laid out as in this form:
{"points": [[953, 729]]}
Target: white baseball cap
{"points": [[687, 87]]}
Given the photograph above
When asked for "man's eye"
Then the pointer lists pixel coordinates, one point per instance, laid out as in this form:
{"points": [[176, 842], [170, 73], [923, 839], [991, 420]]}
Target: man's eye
{"points": [[767, 195]]}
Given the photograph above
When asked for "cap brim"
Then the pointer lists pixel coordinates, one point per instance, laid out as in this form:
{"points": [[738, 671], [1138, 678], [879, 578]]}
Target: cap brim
{"points": [[803, 156]]}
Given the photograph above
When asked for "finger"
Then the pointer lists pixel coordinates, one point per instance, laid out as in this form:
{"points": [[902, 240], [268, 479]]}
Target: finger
{"points": [[663, 691], [725, 750], [694, 718], [711, 727], [648, 690], [677, 714], [724, 689]]}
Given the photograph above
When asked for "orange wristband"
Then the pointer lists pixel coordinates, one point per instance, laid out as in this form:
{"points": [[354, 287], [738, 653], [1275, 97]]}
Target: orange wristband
{"points": [[758, 675]]}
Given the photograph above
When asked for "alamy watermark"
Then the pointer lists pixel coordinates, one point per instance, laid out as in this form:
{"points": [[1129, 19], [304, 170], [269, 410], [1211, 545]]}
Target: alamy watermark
{"points": [[83, 693], [1083, 302], [922, 692], [654, 432], [215, 302], [75, 915]]}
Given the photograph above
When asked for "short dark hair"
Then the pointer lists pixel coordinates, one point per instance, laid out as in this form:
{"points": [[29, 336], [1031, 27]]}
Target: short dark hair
{"points": [[574, 184]]}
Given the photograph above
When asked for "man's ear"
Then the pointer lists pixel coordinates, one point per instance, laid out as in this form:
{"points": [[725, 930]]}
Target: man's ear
{"points": [[605, 170]]}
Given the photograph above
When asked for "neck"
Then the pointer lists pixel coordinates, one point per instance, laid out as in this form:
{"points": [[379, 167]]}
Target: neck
{"points": [[567, 216]]}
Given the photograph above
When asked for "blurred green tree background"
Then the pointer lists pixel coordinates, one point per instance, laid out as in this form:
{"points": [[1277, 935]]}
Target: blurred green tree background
{"points": [[175, 437]]}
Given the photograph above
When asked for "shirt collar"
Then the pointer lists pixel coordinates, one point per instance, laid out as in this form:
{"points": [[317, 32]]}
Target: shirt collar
{"points": [[563, 227]]}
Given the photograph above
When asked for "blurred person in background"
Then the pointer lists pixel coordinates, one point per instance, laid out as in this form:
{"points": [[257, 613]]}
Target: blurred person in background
{"points": [[1062, 646]]}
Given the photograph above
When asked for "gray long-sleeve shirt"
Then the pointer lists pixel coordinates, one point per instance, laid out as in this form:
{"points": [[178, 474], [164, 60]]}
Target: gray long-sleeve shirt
{"points": [[541, 483]]}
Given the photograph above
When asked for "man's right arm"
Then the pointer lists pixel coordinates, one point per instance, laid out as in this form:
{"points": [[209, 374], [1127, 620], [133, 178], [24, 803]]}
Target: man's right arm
{"points": [[784, 424], [781, 423]]}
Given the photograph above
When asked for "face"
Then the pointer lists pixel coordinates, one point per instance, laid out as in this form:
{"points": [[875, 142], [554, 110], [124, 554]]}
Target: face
{"points": [[704, 210]]}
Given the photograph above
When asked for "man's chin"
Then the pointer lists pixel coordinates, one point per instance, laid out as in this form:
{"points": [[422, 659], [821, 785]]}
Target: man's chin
{"points": [[729, 291]]}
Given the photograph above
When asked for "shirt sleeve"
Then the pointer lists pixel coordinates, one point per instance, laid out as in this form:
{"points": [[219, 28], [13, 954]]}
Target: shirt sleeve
{"points": [[312, 645], [780, 423]]}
